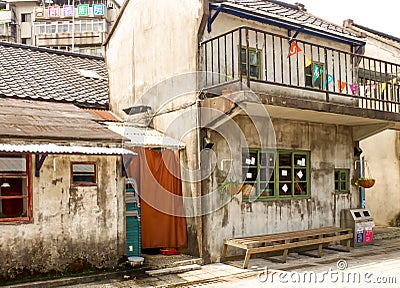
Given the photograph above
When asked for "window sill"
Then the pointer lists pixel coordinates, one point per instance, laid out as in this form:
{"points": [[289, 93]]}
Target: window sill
{"points": [[274, 198], [84, 185], [15, 221]]}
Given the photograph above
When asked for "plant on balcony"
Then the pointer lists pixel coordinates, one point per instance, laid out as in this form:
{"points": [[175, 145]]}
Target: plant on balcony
{"points": [[365, 182]]}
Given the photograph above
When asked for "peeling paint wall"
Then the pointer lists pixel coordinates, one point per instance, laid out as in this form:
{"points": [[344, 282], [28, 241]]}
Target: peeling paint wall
{"points": [[72, 226], [383, 199], [148, 47], [384, 165], [330, 147]]}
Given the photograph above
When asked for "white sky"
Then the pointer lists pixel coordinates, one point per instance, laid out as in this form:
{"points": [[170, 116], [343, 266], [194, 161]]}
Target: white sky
{"points": [[380, 15]]}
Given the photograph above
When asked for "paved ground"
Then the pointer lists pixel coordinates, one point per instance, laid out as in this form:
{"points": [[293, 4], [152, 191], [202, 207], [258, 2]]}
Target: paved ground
{"points": [[376, 265]]}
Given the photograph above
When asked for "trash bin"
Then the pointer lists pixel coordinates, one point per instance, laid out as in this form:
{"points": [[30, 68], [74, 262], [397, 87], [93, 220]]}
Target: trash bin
{"points": [[362, 223]]}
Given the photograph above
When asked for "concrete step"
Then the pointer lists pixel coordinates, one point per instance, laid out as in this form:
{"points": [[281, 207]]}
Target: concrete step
{"points": [[163, 261], [173, 270]]}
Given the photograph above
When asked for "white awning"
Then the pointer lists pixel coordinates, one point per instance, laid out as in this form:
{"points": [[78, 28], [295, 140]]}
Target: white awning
{"points": [[63, 149], [144, 137]]}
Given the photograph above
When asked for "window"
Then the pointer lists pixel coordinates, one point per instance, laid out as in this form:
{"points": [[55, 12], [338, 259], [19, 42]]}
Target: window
{"points": [[282, 174], [342, 180], [314, 75], [15, 196], [26, 17], [27, 41], [3, 28], [83, 174], [254, 63]]}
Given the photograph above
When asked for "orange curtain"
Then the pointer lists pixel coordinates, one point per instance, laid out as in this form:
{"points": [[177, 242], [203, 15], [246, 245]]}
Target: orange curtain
{"points": [[160, 188]]}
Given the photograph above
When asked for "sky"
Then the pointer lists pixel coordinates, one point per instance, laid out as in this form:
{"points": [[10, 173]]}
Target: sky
{"points": [[380, 15]]}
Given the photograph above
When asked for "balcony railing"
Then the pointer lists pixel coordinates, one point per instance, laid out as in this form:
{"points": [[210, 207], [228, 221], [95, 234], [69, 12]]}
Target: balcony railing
{"points": [[65, 26], [253, 55]]}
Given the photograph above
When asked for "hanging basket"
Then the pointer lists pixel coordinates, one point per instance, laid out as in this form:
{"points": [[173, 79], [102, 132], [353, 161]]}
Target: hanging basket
{"points": [[366, 183]]}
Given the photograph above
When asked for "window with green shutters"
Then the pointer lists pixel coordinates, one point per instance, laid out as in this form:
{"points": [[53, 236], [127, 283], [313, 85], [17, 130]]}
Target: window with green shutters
{"points": [[342, 180], [278, 174], [254, 63]]}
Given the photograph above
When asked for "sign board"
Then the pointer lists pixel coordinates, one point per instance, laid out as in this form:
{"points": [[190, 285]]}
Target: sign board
{"points": [[98, 9], [54, 11], [39, 12], [83, 10], [68, 10]]}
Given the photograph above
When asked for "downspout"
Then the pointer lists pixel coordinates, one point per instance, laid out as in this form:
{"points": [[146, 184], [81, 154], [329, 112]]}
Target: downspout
{"points": [[361, 189], [198, 210]]}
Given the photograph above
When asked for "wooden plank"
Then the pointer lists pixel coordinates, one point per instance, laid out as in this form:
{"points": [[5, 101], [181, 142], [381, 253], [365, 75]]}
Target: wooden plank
{"points": [[289, 240], [224, 251], [247, 259], [286, 235], [300, 244], [329, 229], [285, 253]]}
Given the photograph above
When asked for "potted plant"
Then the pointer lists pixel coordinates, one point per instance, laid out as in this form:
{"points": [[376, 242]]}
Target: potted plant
{"points": [[365, 182], [229, 187]]}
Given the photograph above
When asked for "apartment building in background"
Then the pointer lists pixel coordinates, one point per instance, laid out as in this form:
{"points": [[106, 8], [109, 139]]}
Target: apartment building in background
{"points": [[78, 26]]}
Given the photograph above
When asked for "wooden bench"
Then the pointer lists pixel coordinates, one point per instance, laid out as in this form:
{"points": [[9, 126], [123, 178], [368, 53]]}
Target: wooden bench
{"points": [[288, 240]]}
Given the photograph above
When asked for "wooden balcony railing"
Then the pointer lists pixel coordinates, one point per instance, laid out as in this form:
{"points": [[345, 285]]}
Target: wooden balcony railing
{"points": [[252, 55]]}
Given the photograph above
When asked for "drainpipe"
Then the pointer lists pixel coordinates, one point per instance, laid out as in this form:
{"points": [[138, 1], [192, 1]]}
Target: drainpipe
{"points": [[198, 208], [361, 189]]}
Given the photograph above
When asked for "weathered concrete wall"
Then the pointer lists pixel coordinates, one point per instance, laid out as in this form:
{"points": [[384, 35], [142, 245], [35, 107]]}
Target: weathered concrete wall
{"points": [[148, 47], [330, 147], [381, 151], [72, 226], [381, 154]]}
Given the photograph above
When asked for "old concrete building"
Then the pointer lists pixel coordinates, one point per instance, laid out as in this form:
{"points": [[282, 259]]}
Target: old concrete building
{"points": [[61, 185], [63, 25], [383, 198], [275, 111]]}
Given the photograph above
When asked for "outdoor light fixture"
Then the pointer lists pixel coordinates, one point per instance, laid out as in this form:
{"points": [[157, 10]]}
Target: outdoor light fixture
{"points": [[5, 185], [207, 143]]}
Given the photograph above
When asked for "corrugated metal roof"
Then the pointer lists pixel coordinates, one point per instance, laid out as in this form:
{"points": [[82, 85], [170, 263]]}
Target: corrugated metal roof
{"points": [[48, 120], [104, 115], [145, 137], [62, 149]]}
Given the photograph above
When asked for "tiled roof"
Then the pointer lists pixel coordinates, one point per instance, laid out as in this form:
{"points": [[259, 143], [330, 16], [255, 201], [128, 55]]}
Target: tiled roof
{"points": [[51, 75], [282, 10], [144, 137], [381, 34]]}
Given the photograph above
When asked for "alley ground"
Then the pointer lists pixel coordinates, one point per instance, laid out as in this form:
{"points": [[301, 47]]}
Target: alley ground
{"points": [[376, 265]]}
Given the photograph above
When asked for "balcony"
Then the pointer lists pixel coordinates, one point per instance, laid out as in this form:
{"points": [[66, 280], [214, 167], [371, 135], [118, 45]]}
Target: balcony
{"points": [[5, 16], [303, 75], [86, 32]]}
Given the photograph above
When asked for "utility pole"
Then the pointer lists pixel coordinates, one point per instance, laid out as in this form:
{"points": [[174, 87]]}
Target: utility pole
{"points": [[73, 25]]}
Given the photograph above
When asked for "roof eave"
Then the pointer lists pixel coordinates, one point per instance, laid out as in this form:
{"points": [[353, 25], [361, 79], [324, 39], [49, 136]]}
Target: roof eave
{"points": [[286, 24]]}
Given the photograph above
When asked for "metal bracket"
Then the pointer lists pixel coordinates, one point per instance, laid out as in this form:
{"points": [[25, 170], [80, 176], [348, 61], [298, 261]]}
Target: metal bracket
{"points": [[359, 49], [294, 36], [212, 18], [39, 159]]}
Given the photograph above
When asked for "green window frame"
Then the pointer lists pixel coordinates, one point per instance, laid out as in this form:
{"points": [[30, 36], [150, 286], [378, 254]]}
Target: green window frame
{"points": [[254, 63], [342, 181], [278, 174], [314, 75]]}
